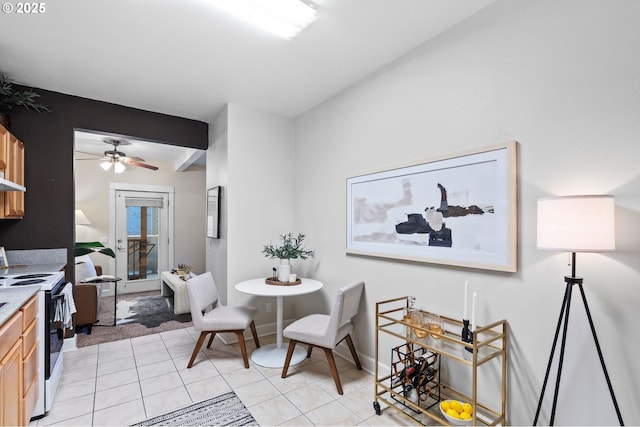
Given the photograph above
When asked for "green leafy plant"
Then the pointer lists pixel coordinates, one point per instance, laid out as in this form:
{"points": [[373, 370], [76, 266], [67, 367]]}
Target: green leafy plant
{"points": [[291, 248], [84, 248], [26, 98]]}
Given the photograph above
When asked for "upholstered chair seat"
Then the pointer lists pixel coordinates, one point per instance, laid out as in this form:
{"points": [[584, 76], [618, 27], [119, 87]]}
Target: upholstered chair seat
{"points": [[211, 317], [327, 331]]}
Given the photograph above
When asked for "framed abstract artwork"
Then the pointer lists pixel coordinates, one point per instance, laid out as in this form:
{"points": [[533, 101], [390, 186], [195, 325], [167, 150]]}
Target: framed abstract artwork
{"points": [[213, 213], [458, 210]]}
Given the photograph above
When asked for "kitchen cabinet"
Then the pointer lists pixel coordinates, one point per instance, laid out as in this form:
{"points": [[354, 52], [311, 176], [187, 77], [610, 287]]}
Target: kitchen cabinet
{"points": [[30, 358], [19, 365], [11, 371], [12, 184]]}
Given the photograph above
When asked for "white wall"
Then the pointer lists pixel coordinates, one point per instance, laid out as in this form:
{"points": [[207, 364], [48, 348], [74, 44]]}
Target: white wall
{"points": [[92, 196], [218, 176], [251, 157], [560, 77]]}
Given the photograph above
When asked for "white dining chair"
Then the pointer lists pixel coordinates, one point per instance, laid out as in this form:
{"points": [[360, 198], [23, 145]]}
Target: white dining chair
{"points": [[211, 317], [327, 331]]}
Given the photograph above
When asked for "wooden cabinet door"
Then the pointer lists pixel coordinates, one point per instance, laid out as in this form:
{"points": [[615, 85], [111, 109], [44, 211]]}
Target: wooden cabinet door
{"points": [[4, 138], [12, 165], [13, 201], [11, 386]]}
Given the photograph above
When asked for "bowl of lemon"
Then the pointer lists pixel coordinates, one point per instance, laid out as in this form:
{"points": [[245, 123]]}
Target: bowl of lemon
{"points": [[456, 412]]}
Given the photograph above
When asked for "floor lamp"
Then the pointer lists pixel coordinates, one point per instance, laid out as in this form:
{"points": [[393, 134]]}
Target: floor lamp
{"points": [[575, 224]]}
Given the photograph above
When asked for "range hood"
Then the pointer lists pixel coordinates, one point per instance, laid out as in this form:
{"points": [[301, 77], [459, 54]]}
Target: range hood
{"points": [[10, 186]]}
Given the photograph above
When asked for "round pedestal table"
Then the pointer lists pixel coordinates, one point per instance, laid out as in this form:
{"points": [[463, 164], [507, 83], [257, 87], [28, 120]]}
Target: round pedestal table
{"points": [[274, 355]]}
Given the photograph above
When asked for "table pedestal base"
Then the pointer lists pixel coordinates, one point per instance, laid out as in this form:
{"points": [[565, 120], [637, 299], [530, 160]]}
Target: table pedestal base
{"points": [[270, 356]]}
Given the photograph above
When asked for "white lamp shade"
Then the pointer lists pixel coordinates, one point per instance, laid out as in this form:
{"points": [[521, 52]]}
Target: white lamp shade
{"points": [[105, 164], [119, 167], [81, 218], [577, 223]]}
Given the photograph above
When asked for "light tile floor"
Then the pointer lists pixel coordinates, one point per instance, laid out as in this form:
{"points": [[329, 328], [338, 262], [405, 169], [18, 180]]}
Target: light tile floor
{"points": [[124, 382]]}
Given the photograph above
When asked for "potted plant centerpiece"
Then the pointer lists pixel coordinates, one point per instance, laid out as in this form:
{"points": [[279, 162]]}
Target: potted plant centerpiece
{"points": [[290, 248], [9, 99]]}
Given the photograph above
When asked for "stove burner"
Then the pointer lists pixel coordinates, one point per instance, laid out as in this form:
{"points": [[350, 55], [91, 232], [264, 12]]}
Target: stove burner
{"points": [[3, 277], [33, 276], [28, 282]]}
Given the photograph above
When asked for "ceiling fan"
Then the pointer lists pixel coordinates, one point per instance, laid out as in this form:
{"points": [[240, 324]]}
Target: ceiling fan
{"points": [[117, 159]]}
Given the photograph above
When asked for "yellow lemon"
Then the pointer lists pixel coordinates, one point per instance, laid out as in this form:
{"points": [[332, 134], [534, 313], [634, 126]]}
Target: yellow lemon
{"points": [[456, 406], [466, 407], [464, 415], [445, 405], [453, 414]]}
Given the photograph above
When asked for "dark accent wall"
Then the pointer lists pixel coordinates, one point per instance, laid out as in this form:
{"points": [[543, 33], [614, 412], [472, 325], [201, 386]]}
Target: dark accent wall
{"points": [[49, 177]]}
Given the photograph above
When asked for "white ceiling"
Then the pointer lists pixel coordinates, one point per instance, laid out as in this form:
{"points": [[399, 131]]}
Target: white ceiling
{"points": [[90, 146], [186, 58]]}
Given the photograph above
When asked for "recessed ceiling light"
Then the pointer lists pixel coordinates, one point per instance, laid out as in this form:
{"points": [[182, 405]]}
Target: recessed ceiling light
{"points": [[284, 18]]}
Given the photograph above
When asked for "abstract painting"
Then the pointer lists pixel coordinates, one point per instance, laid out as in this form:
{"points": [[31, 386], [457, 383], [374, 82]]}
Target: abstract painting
{"points": [[456, 209]]}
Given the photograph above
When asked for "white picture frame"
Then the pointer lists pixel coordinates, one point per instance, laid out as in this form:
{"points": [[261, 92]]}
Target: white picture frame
{"points": [[457, 210]]}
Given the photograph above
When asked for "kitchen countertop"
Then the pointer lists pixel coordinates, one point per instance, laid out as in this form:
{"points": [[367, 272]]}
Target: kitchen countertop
{"points": [[33, 268], [15, 298]]}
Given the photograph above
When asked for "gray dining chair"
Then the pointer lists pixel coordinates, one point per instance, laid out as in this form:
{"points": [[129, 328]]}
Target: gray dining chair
{"points": [[211, 317], [327, 331]]}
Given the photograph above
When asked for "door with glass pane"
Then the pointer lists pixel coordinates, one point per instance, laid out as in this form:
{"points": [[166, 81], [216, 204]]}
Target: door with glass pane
{"points": [[141, 239]]}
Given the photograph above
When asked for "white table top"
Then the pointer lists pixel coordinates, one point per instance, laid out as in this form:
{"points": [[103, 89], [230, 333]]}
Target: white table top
{"points": [[259, 287]]}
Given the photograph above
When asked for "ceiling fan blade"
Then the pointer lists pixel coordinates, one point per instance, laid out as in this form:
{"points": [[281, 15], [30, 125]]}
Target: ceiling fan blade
{"points": [[137, 159], [89, 154], [136, 163]]}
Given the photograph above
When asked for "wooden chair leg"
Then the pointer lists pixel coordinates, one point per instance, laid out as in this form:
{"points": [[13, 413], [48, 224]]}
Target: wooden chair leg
{"points": [[333, 368], [252, 325], [309, 351], [352, 349], [213, 335], [201, 338], [243, 348], [287, 361]]}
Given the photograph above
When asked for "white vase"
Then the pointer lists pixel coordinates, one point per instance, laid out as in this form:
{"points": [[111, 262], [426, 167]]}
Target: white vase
{"points": [[284, 269]]}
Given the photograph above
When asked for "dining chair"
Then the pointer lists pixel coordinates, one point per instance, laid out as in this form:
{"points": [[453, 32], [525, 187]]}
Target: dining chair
{"points": [[211, 317], [327, 331]]}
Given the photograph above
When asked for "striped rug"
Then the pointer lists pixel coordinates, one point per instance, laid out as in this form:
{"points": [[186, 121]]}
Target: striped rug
{"points": [[223, 410]]}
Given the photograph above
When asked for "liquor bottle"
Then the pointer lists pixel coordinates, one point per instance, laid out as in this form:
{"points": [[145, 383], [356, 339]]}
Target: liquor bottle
{"points": [[409, 372], [407, 314]]}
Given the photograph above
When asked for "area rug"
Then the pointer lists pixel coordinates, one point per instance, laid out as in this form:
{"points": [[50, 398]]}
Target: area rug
{"points": [[138, 314], [150, 311], [223, 410]]}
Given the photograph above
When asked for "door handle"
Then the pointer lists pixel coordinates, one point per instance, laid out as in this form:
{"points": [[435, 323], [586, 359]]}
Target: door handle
{"points": [[121, 248]]}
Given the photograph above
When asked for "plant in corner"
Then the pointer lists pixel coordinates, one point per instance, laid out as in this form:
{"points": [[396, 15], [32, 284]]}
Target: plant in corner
{"points": [[290, 248], [9, 99]]}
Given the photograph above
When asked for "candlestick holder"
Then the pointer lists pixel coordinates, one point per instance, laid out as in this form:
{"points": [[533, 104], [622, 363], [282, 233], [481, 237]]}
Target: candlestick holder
{"points": [[467, 334]]}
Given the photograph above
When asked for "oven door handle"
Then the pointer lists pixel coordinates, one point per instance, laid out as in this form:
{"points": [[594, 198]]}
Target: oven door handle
{"points": [[55, 297]]}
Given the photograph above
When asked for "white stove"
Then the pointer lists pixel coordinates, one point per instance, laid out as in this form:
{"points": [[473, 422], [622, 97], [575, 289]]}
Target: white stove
{"points": [[46, 281], [50, 333]]}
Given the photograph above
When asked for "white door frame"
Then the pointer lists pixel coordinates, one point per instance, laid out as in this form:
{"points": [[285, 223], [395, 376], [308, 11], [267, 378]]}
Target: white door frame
{"points": [[116, 186]]}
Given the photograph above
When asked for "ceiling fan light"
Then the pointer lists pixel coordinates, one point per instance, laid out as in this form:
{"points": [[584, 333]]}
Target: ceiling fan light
{"points": [[118, 167], [105, 164]]}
